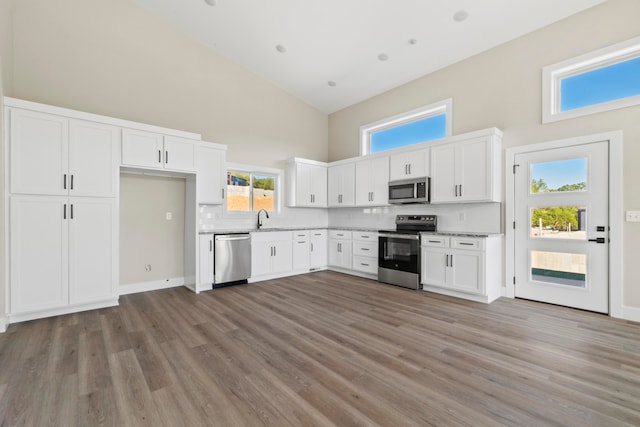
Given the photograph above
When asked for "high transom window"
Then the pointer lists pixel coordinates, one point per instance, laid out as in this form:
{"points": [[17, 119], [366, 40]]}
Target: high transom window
{"points": [[413, 127], [599, 81]]}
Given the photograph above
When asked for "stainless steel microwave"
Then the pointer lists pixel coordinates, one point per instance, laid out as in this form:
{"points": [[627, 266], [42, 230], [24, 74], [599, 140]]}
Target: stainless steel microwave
{"points": [[414, 190]]}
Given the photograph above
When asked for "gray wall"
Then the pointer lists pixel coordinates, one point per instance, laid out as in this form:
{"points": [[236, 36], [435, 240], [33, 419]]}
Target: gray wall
{"points": [[145, 231], [503, 88]]}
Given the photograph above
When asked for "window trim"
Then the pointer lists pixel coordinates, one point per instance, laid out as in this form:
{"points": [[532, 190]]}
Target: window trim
{"points": [[257, 170], [553, 74], [435, 109]]}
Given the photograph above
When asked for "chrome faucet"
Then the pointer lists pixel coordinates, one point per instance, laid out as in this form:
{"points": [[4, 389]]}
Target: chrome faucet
{"points": [[260, 222]]}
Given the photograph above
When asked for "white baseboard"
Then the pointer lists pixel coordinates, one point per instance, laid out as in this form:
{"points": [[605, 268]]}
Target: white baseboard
{"points": [[154, 285], [629, 313], [4, 323], [41, 314]]}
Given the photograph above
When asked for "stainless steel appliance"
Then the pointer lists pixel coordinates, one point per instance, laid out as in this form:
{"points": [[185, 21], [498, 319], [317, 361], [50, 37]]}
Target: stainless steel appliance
{"points": [[399, 250], [415, 190], [232, 259]]}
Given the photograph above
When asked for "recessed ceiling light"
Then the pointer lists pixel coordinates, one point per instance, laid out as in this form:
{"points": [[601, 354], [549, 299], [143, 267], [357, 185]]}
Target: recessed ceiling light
{"points": [[280, 48], [383, 57], [460, 15], [210, 2], [331, 83], [413, 41]]}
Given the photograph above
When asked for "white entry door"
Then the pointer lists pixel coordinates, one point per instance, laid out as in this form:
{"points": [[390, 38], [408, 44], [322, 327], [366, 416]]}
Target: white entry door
{"points": [[562, 226]]}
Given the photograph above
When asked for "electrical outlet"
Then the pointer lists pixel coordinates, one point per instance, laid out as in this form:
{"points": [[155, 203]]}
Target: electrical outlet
{"points": [[633, 216], [462, 216], [169, 216], [147, 267]]}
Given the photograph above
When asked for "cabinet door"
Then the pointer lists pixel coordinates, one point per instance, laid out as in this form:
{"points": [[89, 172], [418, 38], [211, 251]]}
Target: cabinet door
{"points": [[318, 249], [300, 254], [372, 182], [205, 259], [282, 257], [340, 253], [443, 174], [467, 272], [93, 159], [319, 186], [210, 180], [411, 164], [39, 153], [92, 249], [305, 175], [261, 258], [473, 168], [141, 148], [434, 267], [38, 253], [179, 154], [341, 185]]}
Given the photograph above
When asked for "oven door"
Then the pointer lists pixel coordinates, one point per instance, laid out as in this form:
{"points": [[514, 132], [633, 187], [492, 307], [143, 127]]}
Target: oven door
{"points": [[399, 252]]}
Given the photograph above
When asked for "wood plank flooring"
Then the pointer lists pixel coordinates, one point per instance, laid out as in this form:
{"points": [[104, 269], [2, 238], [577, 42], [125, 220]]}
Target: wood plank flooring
{"points": [[320, 349]]}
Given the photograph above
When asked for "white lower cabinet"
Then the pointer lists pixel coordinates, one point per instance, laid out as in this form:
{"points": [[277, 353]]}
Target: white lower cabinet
{"points": [[301, 247], [340, 249], [365, 252], [467, 267], [271, 253], [205, 261], [318, 249], [63, 255]]}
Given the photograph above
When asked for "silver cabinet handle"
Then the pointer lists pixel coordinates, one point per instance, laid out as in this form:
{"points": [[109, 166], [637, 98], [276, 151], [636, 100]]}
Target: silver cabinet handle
{"points": [[71, 181], [274, 251], [64, 211], [64, 182], [460, 190], [166, 157], [222, 191], [71, 211], [451, 261], [159, 156], [311, 248], [210, 245]]}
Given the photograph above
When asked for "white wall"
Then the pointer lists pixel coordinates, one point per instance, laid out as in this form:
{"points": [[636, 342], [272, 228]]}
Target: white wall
{"points": [[502, 88]]}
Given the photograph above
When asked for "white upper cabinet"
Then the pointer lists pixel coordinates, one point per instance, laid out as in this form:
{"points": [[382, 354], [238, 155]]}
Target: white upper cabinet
{"points": [[306, 182], [211, 175], [466, 171], [372, 182], [93, 159], [342, 185], [409, 164], [53, 155], [152, 150]]}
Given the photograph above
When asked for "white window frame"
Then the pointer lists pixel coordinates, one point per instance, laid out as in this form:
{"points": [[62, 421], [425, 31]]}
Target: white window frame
{"points": [[553, 74], [435, 109], [257, 170]]}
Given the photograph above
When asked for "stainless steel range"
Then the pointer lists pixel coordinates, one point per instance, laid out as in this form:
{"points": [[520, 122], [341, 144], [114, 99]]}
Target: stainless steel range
{"points": [[399, 250]]}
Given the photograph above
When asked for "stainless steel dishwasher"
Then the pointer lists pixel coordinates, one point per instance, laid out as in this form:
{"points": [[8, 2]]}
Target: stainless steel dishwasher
{"points": [[232, 259]]}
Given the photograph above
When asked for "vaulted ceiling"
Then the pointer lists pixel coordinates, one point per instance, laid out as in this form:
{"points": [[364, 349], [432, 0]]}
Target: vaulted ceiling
{"points": [[335, 53]]}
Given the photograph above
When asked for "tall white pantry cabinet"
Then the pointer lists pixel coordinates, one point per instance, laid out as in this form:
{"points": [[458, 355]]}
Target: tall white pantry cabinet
{"points": [[63, 212]]}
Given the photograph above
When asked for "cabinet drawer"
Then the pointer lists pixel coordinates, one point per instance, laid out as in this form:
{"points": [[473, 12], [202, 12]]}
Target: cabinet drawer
{"points": [[366, 236], [301, 235], [435, 241], [366, 249], [364, 264], [467, 243], [318, 233], [339, 234]]}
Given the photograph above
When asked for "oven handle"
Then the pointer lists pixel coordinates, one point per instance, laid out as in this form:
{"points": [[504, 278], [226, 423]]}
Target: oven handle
{"points": [[402, 236]]}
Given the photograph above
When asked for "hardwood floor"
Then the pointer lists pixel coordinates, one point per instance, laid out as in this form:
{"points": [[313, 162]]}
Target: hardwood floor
{"points": [[318, 350]]}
